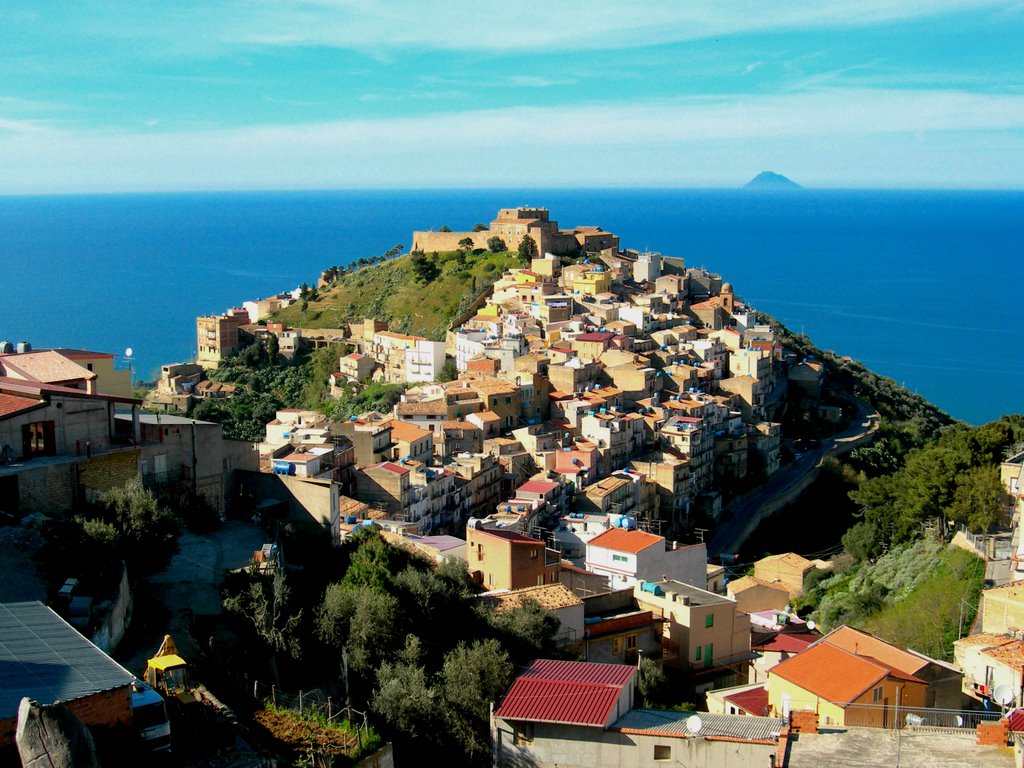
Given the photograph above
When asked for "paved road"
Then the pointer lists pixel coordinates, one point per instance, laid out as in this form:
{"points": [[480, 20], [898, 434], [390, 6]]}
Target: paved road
{"points": [[743, 513]]}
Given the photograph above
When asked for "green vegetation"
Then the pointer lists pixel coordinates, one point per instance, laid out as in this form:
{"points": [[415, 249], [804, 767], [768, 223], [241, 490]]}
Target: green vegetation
{"points": [[419, 293], [952, 480], [266, 385], [920, 596]]}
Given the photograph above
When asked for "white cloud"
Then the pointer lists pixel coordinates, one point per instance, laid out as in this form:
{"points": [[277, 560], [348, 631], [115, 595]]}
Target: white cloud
{"points": [[634, 143], [568, 24]]}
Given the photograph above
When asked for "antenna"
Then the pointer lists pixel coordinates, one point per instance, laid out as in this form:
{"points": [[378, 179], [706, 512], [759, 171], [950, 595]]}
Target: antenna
{"points": [[129, 359], [694, 724]]}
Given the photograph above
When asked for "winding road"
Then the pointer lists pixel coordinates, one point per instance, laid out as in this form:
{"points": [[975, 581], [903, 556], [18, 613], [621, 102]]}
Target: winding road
{"points": [[747, 512]]}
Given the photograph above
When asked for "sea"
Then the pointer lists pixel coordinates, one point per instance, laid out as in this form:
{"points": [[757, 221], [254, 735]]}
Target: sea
{"points": [[923, 286]]}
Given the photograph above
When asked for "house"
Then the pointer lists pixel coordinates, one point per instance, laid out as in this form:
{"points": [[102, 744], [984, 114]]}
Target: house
{"points": [[187, 454], [385, 485], [787, 570], [712, 639], [409, 442], [750, 699], [47, 660], [628, 556], [993, 665], [842, 687], [752, 594], [219, 336], [60, 444], [1002, 610], [556, 598], [583, 715], [943, 679], [501, 559], [773, 648], [619, 630]]}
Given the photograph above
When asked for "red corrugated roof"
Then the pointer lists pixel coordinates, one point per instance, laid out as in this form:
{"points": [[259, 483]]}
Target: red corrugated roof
{"points": [[754, 701], [787, 642], [568, 692]]}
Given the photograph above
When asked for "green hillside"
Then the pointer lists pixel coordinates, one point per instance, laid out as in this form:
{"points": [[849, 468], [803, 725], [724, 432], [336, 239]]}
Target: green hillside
{"points": [[416, 293]]}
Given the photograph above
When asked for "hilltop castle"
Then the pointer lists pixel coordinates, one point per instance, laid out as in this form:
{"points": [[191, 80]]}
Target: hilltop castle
{"points": [[512, 225]]}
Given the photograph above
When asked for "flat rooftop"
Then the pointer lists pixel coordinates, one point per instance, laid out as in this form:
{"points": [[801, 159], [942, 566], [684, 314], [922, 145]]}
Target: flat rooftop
{"points": [[857, 747]]}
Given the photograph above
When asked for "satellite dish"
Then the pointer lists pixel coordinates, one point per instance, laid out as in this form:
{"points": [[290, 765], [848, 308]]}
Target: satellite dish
{"points": [[694, 724], [128, 352], [1003, 695], [811, 625]]}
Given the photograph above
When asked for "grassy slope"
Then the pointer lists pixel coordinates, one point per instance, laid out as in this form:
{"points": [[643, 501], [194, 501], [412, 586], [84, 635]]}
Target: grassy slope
{"points": [[390, 291]]}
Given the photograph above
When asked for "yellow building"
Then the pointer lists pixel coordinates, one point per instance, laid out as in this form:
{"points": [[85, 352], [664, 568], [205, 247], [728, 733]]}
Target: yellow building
{"points": [[842, 687], [592, 282]]}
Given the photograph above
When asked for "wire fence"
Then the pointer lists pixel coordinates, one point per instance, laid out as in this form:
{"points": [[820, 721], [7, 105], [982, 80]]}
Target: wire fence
{"points": [[315, 705]]}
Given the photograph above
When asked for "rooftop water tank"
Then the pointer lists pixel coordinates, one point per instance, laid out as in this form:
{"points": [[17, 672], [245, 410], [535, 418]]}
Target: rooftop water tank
{"points": [[6, 348], [23, 347]]}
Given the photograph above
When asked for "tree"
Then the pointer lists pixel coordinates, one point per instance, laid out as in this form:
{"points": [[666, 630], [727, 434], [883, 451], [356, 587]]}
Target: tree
{"points": [[424, 269], [861, 541], [473, 677], [978, 499], [264, 603], [361, 620], [466, 243], [527, 249], [444, 228], [273, 349], [478, 227], [448, 371], [142, 532], [496, 244]]}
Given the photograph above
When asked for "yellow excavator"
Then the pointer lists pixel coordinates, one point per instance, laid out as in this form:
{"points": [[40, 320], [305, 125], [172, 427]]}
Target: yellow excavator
{"points": [[167, 673]]}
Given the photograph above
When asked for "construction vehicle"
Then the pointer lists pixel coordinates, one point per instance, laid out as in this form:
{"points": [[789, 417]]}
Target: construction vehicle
{"points": [[167, 674]]}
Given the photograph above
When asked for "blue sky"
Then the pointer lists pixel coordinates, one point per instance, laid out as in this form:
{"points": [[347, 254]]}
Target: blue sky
{"points": [[261, 94]]}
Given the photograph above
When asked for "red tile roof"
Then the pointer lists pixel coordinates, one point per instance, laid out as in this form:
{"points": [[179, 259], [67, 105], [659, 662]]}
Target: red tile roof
{"points": [[390, 466], [864, 644], [754, 701], [10, 405], [568, 692], [625, 541]]}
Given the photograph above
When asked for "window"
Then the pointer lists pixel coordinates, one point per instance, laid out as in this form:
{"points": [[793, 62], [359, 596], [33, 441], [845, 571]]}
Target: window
{"points": [[490, 579], [696, 655], [616, 646], [37, 439], [533, 553], [619, 558], [876, 695], [630, 642], [523, 733], [709, 621], [662, 752]]}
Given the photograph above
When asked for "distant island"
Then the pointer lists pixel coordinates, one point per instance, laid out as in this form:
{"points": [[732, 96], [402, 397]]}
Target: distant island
{"points": [[770, 180]]}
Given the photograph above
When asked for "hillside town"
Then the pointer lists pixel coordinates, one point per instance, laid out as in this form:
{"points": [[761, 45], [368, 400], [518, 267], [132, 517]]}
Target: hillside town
{"points": [[572, 444]]}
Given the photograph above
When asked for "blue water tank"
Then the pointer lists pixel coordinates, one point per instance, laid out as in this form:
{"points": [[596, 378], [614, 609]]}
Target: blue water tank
{"points": [[654, 589], [284, 468], [350, 519]]}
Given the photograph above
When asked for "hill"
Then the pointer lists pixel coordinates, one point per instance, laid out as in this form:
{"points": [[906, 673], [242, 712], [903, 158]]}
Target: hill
{"points": [[770, 180], [417, 293]]}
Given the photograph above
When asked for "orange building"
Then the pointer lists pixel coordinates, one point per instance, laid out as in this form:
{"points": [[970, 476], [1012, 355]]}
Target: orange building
{"points": [[499, 559]]}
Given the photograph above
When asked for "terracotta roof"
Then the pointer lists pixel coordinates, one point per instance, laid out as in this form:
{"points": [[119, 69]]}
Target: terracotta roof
{"points": [[437, 406], [47, 367], [743, 583], [595, 336], [10, 405], [834, 674], [549, 596], [864, 644], [486, 416], [625, 541], [754, 701], [404, 431], [789, 558], [537, 486], [1011, 654], [567, 692]]}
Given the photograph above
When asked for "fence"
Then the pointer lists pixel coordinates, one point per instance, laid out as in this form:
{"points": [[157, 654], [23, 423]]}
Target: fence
{"points": [[317, 705], [904, 718]]}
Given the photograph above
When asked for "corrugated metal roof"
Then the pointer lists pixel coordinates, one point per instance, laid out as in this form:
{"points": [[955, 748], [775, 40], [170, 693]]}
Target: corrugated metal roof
{"points": [[671, 723], [45, 658], [567, 692]]}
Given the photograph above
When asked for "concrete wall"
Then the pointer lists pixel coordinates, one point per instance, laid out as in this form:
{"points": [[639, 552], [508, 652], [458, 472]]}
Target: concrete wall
{"points": [[580, 747], [115, 623], [307, 500]]}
